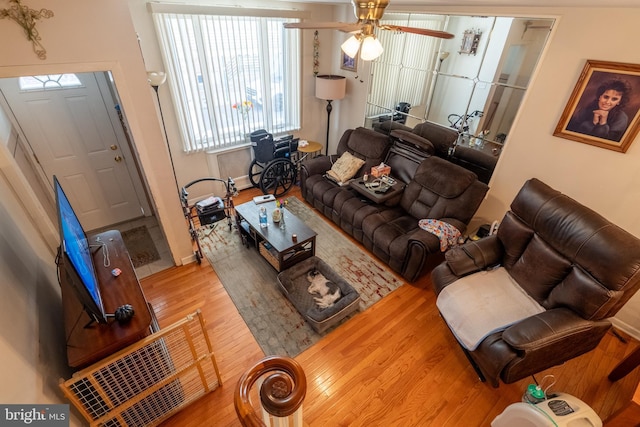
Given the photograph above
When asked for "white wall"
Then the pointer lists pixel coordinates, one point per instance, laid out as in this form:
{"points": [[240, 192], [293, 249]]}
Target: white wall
{"points": [[32, 338]]}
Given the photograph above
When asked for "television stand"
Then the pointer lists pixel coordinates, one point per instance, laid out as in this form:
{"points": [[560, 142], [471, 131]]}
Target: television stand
{"points": [[89, 344]]}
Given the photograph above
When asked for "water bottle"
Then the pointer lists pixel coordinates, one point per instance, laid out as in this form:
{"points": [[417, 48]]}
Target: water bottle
{"points": [[263, 217]]}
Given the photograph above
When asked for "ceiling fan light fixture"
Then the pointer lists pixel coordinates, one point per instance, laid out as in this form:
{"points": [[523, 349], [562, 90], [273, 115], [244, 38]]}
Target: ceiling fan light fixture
{"points": [[351, 46], [371, 48]]}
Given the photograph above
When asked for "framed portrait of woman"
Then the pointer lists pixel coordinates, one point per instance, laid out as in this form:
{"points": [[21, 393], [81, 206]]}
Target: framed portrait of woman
{"points": [[604, 107]]}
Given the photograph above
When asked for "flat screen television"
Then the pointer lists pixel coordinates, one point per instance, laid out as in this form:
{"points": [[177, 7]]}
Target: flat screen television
{"points": [[75, 261]]}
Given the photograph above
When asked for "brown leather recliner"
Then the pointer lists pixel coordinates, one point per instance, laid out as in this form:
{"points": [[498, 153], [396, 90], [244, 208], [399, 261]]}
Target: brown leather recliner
{"points": [[574, 263]]}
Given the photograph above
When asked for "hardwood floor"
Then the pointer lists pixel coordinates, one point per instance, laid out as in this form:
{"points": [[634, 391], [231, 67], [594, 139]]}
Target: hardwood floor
{"points": [[394, 364]]}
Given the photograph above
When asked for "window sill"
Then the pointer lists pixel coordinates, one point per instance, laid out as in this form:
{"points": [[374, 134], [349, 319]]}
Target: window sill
{"points": [[238, 147]]}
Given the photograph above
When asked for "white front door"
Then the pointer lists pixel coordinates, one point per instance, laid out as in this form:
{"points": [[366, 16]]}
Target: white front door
{"points": [[72, 136]]}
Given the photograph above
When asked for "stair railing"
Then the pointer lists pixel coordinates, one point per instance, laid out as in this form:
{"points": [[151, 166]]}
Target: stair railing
{"points": [[282, 388]]}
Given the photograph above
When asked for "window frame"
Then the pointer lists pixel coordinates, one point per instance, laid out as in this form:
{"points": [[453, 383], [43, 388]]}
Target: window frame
{"points": [[224, 128]]}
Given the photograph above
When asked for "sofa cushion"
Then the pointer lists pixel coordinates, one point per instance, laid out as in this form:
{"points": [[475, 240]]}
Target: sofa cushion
{"points": [[443, 178], [366, 144], [441, 137]]}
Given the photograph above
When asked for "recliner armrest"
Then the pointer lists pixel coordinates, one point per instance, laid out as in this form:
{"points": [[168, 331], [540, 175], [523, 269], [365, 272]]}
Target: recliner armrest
{"points": [[474, 256], [318, 165], [547, 328]]}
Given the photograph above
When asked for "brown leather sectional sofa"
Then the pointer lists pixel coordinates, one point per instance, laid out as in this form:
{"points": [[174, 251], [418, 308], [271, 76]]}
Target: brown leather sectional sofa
{"points": [[434, 188]]}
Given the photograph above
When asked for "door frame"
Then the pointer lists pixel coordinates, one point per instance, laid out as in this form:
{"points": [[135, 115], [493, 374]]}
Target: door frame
{"points": [[14, 175], [120, 130]]}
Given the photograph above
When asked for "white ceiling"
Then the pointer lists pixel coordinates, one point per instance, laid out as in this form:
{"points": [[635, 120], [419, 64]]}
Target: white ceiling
{"points": [[503, 3]]}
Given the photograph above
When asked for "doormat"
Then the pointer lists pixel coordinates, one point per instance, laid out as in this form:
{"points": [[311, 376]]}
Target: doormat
{"points": [[252, 285], [140, 245]]}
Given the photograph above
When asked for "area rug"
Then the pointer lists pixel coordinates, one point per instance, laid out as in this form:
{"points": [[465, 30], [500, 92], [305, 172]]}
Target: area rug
{"points": [[251, 282], [140, 245]]}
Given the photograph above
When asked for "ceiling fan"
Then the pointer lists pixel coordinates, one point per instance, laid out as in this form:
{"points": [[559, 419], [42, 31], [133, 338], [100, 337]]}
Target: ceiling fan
{"points": [[369, 14]]}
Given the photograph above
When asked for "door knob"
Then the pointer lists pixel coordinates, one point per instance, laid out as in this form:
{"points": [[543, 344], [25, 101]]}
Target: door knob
{"points": [[118, 158], [114, 147]]}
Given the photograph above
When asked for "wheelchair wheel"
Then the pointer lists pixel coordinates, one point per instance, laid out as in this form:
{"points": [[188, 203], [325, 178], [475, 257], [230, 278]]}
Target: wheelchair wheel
{"points": [[255, 170], [278, 177]]}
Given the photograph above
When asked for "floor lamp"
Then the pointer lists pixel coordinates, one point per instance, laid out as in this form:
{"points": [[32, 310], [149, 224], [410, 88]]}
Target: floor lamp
{"points": [[330, 88], [157, 79]]}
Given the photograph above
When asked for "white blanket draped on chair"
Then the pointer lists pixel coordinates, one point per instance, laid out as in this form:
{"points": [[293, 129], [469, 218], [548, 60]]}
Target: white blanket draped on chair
{"points": [[476, 306]]}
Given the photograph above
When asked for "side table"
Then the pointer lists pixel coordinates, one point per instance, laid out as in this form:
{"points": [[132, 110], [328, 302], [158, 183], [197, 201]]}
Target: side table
{"points": [[311, 148]]}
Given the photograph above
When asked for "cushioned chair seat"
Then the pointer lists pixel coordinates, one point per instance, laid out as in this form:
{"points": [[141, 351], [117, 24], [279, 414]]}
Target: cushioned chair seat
{"points": [[293, 283]]}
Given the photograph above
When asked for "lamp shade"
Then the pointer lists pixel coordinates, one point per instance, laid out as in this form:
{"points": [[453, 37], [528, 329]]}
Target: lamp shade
{"points": [[156, 78], [371, 48], [351, 46], [330, 87]]}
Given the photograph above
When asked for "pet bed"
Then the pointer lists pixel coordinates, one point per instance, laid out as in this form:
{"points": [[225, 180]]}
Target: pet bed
{"points": [[294, 284]]}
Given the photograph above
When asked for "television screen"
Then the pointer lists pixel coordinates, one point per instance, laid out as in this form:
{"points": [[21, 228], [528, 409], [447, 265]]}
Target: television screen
{"points": [[75, 250]]}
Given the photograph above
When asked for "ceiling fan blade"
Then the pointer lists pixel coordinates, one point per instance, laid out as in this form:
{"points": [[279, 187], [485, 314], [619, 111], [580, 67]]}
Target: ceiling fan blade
{"points": [[319, 25], [421, 31]]}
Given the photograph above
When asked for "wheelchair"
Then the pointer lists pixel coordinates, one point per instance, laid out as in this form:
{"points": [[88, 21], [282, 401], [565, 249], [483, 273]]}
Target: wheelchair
{"points": [[272, 169]]}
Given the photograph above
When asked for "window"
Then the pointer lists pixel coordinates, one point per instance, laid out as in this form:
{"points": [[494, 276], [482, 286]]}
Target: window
{"points": [[49, 81], [230, 75]]}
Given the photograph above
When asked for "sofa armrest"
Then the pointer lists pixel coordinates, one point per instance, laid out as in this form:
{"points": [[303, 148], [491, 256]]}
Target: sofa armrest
{"points": [[318, 165], [474, 256], [551, 327]]}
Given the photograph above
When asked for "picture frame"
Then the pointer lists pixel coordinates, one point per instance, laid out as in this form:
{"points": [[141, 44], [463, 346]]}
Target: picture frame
{"points": [[604, 107], [348, 63], [470, 42]]}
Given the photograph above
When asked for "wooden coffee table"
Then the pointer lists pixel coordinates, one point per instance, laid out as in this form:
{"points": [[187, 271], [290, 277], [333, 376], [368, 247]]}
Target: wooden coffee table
{"points": [[276, 245]]}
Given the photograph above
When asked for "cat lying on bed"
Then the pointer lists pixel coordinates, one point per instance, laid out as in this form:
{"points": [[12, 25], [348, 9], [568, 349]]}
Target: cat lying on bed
{"points": [[328, 291]]}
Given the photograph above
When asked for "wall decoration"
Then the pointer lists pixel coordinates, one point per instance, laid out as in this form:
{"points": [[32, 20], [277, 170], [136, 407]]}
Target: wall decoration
{"points": [[316, 53], [470, 42], [604, 107], [27, 18], [348, 63]]}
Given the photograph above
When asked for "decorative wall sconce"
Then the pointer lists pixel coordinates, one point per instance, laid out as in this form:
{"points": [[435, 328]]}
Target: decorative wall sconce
{"points": [[470, 42], [27, 18], [316, 53]]}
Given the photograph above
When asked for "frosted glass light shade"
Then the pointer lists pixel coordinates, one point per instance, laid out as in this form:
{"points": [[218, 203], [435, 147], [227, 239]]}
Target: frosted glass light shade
{"points": [[371, 48], [330, 87], [351, 46], [156, 78]]}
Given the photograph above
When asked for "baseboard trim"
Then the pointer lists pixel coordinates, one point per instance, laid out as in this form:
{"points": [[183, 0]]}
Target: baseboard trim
{"points": [[626, 328]]}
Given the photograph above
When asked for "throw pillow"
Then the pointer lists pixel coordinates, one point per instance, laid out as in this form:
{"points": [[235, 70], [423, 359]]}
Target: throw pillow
{"points": [[345, 167]]}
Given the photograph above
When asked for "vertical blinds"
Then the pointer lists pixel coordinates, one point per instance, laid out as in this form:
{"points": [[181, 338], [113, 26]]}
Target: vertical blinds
{"points": [[230, 75]]}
